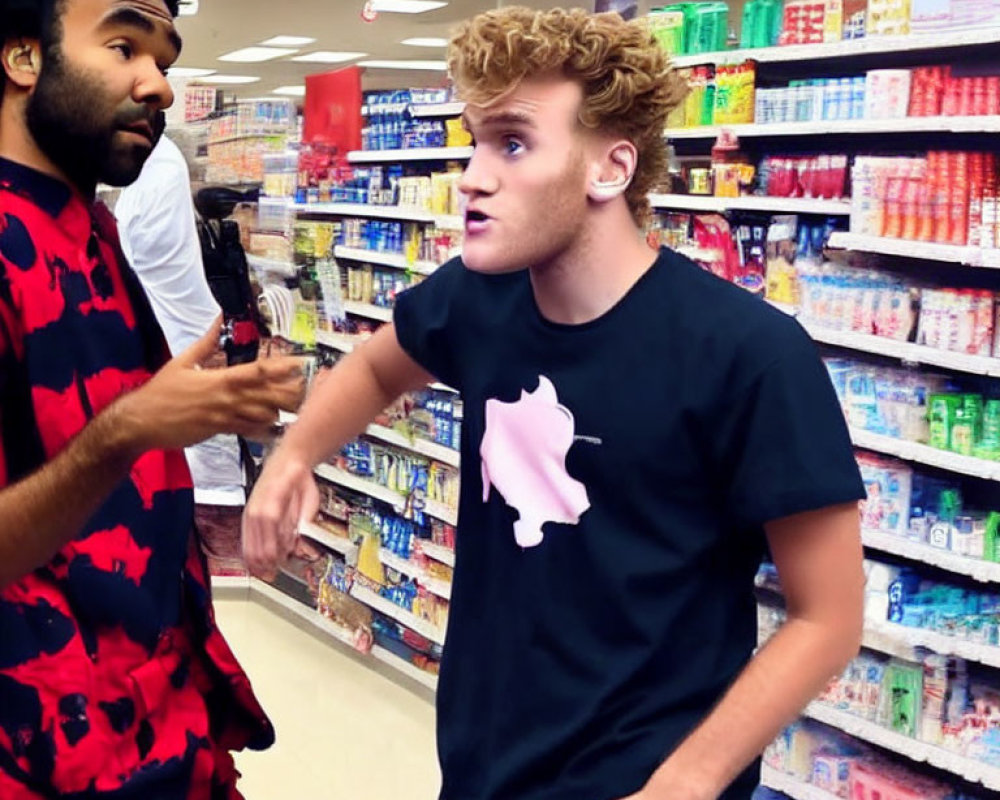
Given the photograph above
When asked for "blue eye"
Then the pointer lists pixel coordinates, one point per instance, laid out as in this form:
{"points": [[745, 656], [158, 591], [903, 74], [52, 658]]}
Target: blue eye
{"points": [[512, 146]]}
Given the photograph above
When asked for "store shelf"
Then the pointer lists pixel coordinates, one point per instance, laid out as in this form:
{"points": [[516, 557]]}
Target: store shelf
{"points": [[231, 587], [438, 552], [967, 768], [907, 351], [412, 154], [398, 613], [984, 124], [364, 210], [274, 266], [437, 452], [792, 786], [778, 205], [923, 454], [930, 251], [373, 490], [368, 311], [985, 571], [413, 570], [305, 613], [339, 544], [405, 667], [902, 642], [396, 260], [437, 109], [343, 342], [870, 45]]}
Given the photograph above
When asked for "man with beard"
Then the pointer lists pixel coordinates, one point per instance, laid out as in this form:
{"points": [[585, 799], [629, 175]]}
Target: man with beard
{"points": [[114, 680]]}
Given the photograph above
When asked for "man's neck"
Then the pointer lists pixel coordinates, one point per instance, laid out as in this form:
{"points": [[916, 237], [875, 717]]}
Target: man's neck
{"points": [[17, 144], [587, 281]]}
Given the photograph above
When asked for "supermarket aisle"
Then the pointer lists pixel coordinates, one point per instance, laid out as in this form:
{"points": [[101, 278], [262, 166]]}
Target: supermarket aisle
{"points": [[343, 730]]}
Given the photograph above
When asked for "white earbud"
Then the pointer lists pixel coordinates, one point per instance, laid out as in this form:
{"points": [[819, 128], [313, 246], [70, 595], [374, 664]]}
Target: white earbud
{"points": [[608, 190]]}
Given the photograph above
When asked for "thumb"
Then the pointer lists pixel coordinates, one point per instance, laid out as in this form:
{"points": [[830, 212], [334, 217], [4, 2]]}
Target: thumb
{"points": [[204, 348]]}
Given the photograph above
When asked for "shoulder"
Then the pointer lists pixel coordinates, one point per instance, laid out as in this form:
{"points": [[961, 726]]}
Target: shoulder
{"points": [[725, 321]]}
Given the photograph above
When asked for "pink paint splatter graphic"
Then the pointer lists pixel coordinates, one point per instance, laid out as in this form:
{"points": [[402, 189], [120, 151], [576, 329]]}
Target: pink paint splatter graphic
{"points": [[524, 456]]}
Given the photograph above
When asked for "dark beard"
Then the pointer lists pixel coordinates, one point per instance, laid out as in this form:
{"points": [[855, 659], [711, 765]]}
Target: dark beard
{"points": [[71, 125]]}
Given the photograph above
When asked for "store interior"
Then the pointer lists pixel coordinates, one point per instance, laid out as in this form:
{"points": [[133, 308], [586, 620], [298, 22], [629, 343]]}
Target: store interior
{"points": [[837, 158]]}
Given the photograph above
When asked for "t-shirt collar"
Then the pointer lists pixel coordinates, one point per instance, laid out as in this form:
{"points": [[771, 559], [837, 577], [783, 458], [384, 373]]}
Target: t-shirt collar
{"points": [[48, 193]]}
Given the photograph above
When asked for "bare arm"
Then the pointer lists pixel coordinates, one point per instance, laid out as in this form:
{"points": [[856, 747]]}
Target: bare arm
{"points": [[818, 555], [181, 405], [339, 409]]}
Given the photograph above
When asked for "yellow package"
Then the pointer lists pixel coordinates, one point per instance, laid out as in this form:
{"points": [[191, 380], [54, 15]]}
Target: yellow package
{"points": [[456, 134]]}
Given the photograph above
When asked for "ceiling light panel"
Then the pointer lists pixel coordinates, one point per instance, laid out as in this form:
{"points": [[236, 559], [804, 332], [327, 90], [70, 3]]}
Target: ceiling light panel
{"points": [[254, 55], [229, 79], [189, 72], [406, 6], [291, 91], [328, 57], [425, 41], [288, 41], [438, 66]]}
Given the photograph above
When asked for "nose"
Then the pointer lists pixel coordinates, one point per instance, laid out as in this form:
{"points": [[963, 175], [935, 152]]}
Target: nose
{"points": [[479, 178], [152, 88]]}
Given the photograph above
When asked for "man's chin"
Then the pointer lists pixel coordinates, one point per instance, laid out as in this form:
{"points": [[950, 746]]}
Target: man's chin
{"points": [[124, 169], [475, 259]]}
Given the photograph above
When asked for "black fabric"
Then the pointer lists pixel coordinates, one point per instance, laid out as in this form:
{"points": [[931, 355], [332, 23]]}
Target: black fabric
{"points": [[695, 414]]}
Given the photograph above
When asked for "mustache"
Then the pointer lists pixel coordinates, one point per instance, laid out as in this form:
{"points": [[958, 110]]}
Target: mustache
{"points": [[135, 114]]}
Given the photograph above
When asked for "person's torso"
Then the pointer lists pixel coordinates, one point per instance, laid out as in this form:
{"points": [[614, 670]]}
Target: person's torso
{"points": [[603, 597]]}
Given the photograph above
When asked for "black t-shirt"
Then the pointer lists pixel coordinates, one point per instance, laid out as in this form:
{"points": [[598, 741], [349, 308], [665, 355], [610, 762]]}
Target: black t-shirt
{"points": [[615, 479]]}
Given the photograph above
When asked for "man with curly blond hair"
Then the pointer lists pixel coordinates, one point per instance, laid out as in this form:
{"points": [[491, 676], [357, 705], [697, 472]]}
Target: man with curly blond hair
{"points": [[636, 433]]}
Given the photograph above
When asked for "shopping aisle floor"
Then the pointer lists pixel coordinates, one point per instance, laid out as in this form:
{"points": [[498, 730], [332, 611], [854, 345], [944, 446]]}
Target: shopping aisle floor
{"points": [[344, 732]]}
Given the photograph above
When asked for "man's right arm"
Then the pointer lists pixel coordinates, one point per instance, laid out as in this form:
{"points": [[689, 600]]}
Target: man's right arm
{"points": [[181, 405], [337, 410]]}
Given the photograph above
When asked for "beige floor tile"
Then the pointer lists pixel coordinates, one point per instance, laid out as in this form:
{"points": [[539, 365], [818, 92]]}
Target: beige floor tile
{"points": [[344, 731]]}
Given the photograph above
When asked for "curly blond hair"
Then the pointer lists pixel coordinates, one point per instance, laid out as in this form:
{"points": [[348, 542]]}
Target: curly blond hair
{"points": [[628, 84]]}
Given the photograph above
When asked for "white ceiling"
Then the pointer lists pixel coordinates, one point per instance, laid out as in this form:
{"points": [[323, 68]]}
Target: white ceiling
{"points": [[222, 26]]}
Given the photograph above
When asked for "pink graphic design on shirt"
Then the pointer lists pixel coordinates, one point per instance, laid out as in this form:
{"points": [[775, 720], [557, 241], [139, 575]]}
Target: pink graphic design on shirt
{"points": [[524, 453]]}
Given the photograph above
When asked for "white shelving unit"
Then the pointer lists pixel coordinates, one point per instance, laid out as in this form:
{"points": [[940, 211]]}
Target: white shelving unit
{"points": [[368, 311], [438, 452], [373, 490], [437, 109], [843, 127], [443, 554], [985, 571], [930, 251], [398, 613], [870, 45], [401, 213], [903, 642], [405, 667], [343, 342], [412, 154], [385, 259], [413, 570], [906, 351], [778, 205], [792, 786], [967, 768], [339, 544], [923, 454]]}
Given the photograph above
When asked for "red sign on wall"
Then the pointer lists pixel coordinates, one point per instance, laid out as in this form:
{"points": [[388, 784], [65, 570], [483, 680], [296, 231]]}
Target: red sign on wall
{"points": [[332, 111]]}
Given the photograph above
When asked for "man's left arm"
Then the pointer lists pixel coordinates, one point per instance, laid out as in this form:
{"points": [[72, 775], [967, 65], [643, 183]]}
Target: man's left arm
{"points": [[819, 560]]}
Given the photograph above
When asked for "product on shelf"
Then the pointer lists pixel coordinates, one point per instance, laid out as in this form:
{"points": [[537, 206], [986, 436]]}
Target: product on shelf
{"points": [[691, 27], [390, 124]]}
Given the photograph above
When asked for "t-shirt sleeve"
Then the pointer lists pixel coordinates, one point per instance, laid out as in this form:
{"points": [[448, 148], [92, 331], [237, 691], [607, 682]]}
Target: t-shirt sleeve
{"points": [[784, 442], [426, 319]]}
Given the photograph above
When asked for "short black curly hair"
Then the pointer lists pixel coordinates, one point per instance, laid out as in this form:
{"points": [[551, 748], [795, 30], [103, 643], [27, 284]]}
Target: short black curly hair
{"points": [[40, 19]]}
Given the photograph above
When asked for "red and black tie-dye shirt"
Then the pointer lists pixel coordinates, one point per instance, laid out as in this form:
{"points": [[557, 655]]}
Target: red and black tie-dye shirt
{"points": [[114, 680]]}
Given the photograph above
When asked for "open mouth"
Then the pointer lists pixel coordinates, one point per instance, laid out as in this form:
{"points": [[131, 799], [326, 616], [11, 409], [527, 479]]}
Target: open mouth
{"points": [[475, 216]]}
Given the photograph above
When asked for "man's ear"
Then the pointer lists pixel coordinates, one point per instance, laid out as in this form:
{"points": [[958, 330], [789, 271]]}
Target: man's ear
{"points": [[22, 61], [614, 173]]}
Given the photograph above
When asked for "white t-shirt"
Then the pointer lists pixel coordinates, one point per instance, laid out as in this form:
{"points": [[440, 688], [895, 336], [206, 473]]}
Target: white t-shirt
{"points": [[159, 237]]}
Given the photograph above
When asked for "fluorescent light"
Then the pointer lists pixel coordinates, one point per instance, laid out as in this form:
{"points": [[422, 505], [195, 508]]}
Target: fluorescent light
{"points": [[229, 79], [406, 6], [253, 55], [188, 8], [189, 72], [291, 91], [329, 57], [288, 41], [425, 41], [440, 66]]}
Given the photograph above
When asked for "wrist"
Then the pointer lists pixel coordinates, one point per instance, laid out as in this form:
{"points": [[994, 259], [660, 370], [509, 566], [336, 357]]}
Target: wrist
{"points": [[120, 432]]}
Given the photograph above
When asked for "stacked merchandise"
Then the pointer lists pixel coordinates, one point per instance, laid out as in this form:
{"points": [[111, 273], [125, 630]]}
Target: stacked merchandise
{"points": [[917, 407], [917, 507], [413, 240], [823, 758], [393, 122], [239, 139]]}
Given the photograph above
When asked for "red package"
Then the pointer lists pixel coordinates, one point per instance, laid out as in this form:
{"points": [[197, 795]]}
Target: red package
{"points": [[965, 97], [993, 95]]}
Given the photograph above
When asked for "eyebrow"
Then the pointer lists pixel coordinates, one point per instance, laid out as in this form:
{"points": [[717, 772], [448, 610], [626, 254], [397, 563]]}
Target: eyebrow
{"points": [[130, 18], [502, 118]]}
